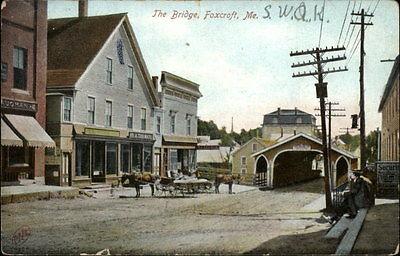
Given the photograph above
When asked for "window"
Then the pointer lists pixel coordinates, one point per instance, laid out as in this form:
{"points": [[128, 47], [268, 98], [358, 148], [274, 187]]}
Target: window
{"points": [[243, 170], [274, 120], [20, 67], [172, 121], [188, 124], [67, 109], [18, 156], [112, 154], [130, 77], [254, 147], [108, 117], [143, 119], [91, 110], [147, 153], [109, 70], [137, 151], [130, 117], [125, 156], [299, 120], [158, 124], [82, 158], [243, 160]]}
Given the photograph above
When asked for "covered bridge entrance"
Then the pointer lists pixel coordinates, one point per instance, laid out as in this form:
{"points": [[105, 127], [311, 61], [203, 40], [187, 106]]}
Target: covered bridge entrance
{"points": [[299, 158]]}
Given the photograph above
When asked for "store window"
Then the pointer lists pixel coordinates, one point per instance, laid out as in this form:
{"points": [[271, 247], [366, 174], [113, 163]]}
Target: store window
{"points": [[147, 154], [112, 158], [17, 156], [109, 70], [125, 156], [137, 150], [98, 158], [67, 109], [108, 116], [130, 117], [82, 158], [173, 163], [20, 67], [91, 110], [143, 117], [130, 77]]}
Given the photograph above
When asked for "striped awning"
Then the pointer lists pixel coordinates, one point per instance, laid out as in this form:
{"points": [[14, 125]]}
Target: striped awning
{"points": [[31, 131], [8, 137]]}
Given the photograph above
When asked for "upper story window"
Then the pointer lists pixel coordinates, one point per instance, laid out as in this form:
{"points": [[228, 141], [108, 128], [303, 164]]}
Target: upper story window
{"points": [[108, 116], [109, 70], [243, 160], [130, 77], [254, 147], [299, 120], [67, 109], [172, 121], [143, 117], [188, 124], [130, 117], [91, 110], [20, 67], [158, 124]]}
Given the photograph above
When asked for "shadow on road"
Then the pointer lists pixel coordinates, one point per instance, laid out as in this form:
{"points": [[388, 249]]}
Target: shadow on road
{"points": [[313, 186], [310, 243]]}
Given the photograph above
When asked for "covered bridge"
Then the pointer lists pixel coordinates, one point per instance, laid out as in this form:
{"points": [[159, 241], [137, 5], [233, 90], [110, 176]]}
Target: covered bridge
{"points": [[292, 159]]}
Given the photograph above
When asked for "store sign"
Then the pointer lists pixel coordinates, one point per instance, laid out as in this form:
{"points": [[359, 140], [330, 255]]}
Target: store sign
{"points": [[141, 136], [301, 147], [20, 105], [101, 132], [387, 177]]}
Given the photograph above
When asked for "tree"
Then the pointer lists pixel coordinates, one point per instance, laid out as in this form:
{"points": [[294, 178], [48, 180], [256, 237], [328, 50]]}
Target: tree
{"points": [[372, 146]]}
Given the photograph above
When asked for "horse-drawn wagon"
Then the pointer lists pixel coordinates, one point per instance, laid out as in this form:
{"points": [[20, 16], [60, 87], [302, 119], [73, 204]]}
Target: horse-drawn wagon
{"points": [[173, 187]]}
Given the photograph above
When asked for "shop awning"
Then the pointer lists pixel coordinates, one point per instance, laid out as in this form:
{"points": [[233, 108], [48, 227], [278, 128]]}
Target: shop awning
{"points": [[179, 139], [31, 131], [8, 137]]}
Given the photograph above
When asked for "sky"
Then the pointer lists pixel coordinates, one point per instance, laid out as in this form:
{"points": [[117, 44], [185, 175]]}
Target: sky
{"points": [[243, 65]]}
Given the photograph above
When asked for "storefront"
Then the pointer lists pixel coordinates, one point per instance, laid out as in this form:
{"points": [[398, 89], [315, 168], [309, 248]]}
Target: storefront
{"points": [[21, 136], [103, 155], [179, 154]]}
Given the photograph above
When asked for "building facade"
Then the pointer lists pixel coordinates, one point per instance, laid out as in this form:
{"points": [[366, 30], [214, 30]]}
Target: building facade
{"points": [[389, 107], [243, 162], [179, 98], [101, 101], [286, 122], [23, 88]]}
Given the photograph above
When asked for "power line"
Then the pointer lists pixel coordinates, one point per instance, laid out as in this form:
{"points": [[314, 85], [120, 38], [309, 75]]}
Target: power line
{"points": [[344, 21], [352, 31], [348, 27], [322, 22]]}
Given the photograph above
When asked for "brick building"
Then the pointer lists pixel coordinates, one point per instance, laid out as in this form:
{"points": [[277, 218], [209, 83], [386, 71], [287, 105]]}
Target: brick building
{"points": [[23, 88], [389, 107]]}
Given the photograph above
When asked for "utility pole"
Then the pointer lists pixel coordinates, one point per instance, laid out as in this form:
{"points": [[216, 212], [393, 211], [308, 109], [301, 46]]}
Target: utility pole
{"points": [[330, 115], [322, 93], [362, 110]]}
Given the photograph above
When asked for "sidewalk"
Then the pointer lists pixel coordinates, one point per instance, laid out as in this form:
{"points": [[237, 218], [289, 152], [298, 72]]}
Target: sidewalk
{"points": [[31, 192]]}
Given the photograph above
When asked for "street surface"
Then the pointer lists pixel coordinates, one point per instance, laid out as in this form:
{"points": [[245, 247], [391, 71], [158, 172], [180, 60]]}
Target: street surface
{"points": [[200, 223]]}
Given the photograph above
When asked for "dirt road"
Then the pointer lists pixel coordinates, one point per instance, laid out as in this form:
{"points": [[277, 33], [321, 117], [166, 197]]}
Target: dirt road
{"points": [[202, 223]]}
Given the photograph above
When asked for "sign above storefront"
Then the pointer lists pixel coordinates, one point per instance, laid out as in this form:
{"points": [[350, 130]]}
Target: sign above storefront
{"points": [[101, 132], [141, 136]]}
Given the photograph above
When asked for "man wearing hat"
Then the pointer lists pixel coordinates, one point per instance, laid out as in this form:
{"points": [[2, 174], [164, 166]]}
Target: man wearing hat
{"points": [[359, 194]]}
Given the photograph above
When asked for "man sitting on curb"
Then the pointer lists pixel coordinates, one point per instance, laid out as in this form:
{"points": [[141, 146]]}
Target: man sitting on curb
{"points": [[360, 194]]}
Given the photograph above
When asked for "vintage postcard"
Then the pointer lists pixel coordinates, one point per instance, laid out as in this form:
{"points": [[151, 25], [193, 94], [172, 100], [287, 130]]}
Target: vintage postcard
{"points": [[199, 127]]}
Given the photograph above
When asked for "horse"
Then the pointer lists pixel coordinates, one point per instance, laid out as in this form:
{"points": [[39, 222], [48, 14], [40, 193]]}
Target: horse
{"points": [[136, 179], [226, 179]]}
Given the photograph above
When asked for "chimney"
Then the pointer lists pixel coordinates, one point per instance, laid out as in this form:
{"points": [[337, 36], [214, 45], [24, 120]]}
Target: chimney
{"points": [[155, 82], [83, 8], [295, 111], [279, 111]]}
